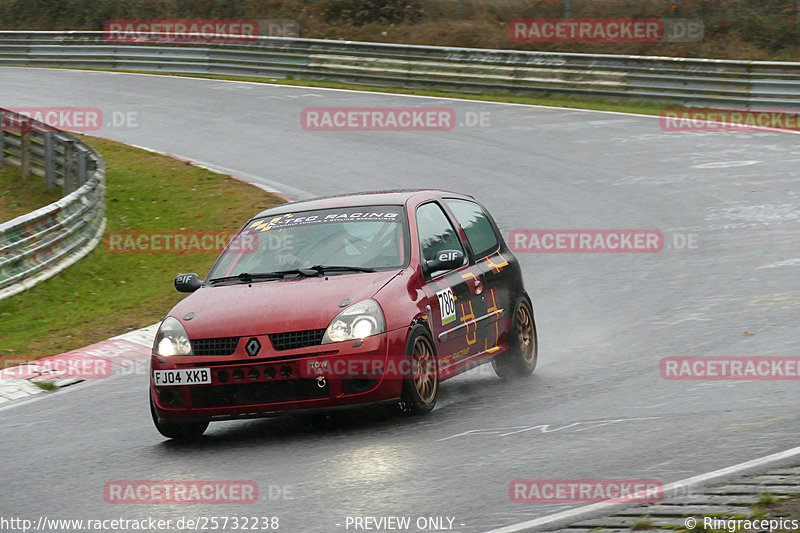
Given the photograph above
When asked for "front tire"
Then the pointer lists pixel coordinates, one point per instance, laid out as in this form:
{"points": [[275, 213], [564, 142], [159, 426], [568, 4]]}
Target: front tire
{"points": [[183, 431], [520, 360], [421, 385]]}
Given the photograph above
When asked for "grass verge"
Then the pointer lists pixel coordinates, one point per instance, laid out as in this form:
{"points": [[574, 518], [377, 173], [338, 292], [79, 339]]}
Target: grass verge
{"points": [[20, 196], [106, 294]]}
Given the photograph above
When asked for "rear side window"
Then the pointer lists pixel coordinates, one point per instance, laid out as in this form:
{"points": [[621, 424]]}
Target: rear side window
{"points": [[475, 223], [435, 231]]}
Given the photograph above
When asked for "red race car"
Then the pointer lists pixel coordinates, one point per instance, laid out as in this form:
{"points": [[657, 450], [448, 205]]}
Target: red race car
{"points": [[374, 297]]}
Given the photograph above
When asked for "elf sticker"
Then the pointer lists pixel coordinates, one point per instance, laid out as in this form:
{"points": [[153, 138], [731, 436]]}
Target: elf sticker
{"points": [[447, 304]]}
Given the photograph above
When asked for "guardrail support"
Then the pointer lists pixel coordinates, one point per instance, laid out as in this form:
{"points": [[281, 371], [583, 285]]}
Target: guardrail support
{"points": [[80, 176], [25, 153], [2, 141], [69, 150], [49, 160]]}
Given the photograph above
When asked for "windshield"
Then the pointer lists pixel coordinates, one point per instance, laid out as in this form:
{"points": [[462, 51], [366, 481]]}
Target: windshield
{"points": [[372, 237]]}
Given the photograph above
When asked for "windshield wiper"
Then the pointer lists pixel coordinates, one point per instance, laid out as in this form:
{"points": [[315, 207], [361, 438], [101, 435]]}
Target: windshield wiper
{"points": [[246, 277], [338, 268], [315, 270]]}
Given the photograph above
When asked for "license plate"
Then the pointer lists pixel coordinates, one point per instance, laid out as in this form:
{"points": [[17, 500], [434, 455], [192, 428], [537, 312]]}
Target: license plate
{"points": [[183, 376]]}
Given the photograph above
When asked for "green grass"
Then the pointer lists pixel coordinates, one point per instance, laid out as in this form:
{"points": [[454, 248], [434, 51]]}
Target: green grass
{"points": [[46, 385], [18, 196], [642, 524], [106, 294], [766, 499]]}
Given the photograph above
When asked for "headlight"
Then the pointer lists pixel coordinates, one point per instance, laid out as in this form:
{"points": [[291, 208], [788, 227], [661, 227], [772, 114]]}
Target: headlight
{"points": [[171, 339], [358, 321]]}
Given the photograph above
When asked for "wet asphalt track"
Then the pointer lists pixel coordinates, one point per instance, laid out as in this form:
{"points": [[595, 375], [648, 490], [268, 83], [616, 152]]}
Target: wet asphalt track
{"points": [[596, 406]]}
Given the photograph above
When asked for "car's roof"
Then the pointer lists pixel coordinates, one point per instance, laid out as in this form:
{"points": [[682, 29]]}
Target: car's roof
{"points": [[390, 197]]}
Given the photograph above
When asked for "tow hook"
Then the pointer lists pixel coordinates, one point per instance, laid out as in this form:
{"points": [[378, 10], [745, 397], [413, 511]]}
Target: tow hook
{"points": [[321, 382]]}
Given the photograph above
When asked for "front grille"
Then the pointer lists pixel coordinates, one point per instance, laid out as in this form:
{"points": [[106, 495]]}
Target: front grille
{"points": [[291, 340], [258, 393], [219, 346]]}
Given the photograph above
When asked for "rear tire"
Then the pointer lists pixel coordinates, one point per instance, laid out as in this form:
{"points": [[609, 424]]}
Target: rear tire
{"points": [[421, 385], [183, 431], [523, 353]]}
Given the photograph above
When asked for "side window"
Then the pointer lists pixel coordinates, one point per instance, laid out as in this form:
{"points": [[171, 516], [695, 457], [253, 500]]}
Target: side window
{"points": [[435, 231], [476, 225]]}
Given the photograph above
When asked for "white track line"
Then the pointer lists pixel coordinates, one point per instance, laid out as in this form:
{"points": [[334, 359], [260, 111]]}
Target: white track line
{"points": [[287, 192], [571, 516]]}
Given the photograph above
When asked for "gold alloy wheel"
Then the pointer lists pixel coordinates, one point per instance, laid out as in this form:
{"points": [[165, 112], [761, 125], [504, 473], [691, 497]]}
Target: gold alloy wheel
{"points": [[526, 338], [424, 369]]}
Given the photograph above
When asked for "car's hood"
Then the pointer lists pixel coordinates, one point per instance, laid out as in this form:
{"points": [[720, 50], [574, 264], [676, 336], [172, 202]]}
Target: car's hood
{"points": [[274, 306]]}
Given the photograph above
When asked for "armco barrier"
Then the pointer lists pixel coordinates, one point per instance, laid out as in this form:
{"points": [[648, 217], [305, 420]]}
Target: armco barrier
{"points": [[38, 245], [693, 82]]}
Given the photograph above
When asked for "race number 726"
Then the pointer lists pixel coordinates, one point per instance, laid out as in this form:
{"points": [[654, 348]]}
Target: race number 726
{"points": [[447, 305]]}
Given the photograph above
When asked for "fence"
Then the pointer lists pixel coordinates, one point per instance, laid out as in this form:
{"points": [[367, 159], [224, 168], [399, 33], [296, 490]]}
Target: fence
{"points": [[693, 82], [38, 245]]}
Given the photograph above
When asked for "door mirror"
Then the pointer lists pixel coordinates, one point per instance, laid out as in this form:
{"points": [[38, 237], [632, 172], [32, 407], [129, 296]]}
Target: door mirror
{"points": [[188, 282], [446, 260]]}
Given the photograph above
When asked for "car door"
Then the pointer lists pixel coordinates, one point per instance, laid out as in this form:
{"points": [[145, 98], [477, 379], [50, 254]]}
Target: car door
{"points": [[451, 296], [492, 270]]}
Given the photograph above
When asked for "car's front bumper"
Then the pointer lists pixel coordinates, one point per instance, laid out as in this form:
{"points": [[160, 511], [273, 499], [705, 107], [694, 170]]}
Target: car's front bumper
{"points": [[323, 376]]}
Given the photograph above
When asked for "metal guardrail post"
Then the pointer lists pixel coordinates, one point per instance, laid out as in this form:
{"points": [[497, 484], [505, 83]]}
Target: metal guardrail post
{"points": [[80, 175], [25, 153], [49, 160], [2, 140], [69, 150]]}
